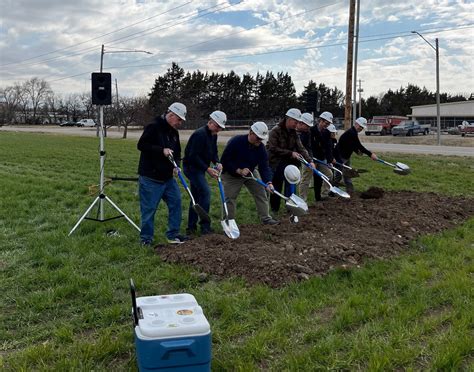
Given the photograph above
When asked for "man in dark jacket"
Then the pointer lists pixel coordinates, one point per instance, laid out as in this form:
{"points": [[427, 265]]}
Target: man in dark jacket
{"points": [[200, 152], [321, 145], [241, 156], [284, 147], [158, 141], [348, 143]]}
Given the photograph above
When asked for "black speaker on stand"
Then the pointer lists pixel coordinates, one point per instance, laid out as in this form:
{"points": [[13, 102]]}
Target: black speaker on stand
{"points": [[102, 96]]}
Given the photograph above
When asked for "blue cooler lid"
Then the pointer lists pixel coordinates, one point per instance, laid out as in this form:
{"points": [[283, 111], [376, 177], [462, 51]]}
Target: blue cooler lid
{"points": [[170, 316]]}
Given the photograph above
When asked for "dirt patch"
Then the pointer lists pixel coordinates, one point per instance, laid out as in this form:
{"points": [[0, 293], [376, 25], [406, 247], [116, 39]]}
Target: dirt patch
{"points": [[372, 193], [336, 233]]}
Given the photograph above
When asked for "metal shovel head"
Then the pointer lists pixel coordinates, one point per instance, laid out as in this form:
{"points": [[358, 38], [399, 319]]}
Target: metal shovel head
{"points": [[341, 193], [203, 216], [296, 205], [401, 169], [230, 228]]}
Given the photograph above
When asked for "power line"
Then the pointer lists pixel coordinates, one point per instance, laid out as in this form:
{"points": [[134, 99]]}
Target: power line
{"points": [[267, 52], [98, 37], [172, 22]]}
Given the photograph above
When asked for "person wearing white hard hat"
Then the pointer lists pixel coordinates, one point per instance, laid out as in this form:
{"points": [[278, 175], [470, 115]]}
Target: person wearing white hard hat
{"points": [[321, 145], [200, 152], [303, 129], [284, 148], [159, 140], [349, 142], [242, 154]]}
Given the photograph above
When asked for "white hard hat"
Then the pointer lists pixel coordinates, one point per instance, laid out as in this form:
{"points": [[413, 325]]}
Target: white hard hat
{"points": [[260, 129], [332, 128], [294, 113], [178, 109], [326, 115], [219, 117], [362, 122], [307, 118], [292, 174]]}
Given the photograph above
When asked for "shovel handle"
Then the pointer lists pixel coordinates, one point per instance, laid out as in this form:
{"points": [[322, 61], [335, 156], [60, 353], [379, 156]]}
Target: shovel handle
{"points": [[386, 162]]}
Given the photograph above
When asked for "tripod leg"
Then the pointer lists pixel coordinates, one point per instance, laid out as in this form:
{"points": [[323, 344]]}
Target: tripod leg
{"points": [[83, 216], [123, 214]]}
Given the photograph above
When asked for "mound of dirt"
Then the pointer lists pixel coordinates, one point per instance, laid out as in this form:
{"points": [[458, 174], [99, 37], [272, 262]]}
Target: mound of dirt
{"points": [[372, 193], [335, 233]]}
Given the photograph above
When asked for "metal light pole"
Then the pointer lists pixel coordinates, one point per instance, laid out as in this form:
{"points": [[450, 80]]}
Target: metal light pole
{"points": [[438, 113], [356, 44]]}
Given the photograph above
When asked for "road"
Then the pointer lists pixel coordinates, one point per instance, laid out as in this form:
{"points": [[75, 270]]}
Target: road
{"points": [[134, 134]]}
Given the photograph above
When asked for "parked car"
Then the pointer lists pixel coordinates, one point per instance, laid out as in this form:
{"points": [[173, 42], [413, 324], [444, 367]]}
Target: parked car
{"points": [[410, 128], [68, 123], [383, 124], [86, 123]]}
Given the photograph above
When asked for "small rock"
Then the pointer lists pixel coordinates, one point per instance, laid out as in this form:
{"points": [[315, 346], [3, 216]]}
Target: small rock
{"points": [[302, 276]]}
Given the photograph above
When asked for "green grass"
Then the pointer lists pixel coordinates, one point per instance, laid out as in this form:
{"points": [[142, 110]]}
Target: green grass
{"points": [[65, 301]]}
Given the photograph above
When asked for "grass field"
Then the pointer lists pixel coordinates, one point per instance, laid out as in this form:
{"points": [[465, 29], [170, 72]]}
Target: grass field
{"points": [[65, 300]]}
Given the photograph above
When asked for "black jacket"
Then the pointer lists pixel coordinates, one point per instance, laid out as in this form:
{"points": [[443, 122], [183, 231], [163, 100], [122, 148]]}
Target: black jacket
{"points": [[321, 144], [348, 143], [155, 138], [200, 151]]}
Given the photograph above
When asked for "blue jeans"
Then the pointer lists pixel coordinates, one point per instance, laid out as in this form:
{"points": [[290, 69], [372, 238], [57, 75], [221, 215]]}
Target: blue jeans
{"points": [[202, 196], [151, 192]]}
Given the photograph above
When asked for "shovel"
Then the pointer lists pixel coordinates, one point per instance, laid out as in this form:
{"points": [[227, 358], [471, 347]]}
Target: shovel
{"points": [[203, 216], [334, 169], [398, 168], [350, 172], [294, 203], [334, 189], [229, 226]]}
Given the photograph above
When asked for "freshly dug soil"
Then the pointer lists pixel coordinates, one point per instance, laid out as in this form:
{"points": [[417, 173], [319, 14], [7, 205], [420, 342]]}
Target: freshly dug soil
{"points": [[335, 233]]}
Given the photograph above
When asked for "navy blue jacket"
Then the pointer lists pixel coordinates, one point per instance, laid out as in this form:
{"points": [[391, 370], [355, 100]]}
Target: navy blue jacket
{"points": [[200, 151], [321, 144], [239, 153], [155, 138], [348, 143]]}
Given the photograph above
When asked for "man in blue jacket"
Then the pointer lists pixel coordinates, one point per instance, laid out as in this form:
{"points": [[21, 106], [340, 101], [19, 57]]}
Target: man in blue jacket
{"points": [[159, 140], [241, 156], [200, 152]]}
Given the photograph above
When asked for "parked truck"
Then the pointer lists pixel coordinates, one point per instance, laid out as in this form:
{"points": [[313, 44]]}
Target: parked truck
{"points": [[466, 128], [410, 128], [383, 124]]}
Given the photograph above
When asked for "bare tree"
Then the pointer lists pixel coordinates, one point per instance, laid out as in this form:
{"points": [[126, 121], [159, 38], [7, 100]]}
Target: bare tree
{"points": [[36, 91], [11, 100]]}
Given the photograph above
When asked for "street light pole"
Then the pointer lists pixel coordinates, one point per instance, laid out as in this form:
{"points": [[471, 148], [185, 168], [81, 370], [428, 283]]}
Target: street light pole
{"points": [[438, 112]]}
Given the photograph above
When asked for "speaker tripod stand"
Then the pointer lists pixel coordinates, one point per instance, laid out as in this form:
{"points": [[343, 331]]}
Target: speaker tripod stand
{"points": [[100, 200]]}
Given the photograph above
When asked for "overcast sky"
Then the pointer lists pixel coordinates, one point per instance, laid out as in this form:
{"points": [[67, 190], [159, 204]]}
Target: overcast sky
{"points": [[60, 41]]}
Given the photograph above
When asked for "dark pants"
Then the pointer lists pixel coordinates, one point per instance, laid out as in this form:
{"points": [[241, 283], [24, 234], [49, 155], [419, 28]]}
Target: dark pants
{"points": [[202, 196], [278, 182]]}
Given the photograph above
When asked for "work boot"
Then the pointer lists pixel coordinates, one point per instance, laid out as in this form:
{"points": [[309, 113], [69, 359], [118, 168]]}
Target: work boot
{"points": [[270, 221], [207, 231]]}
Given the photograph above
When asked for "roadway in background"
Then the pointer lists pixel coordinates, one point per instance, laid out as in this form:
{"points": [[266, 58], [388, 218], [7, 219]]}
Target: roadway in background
{"points": [[134, 134]]}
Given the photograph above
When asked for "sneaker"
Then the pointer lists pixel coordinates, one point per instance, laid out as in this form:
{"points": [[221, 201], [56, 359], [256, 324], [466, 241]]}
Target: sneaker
{"points": [[145, 243], [270, 221], [178, 239]]}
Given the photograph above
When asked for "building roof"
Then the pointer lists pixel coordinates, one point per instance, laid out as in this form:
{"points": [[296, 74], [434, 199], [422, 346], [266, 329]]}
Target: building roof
{"points": [[461, 108]]}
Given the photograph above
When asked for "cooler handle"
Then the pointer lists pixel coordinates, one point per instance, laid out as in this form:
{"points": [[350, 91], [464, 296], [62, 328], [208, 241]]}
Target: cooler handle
{"points": [[186, 346]]}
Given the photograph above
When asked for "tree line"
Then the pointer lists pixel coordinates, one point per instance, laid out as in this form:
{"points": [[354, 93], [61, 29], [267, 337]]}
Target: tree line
{"points": [[265, 96]]}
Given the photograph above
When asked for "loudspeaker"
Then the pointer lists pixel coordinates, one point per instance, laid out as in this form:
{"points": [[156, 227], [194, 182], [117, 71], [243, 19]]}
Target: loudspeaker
{"points": [[101, 88], [312, 101]]}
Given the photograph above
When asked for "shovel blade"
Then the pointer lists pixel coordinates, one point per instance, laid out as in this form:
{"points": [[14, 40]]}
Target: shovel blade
{"points": [[203, 216], [341, 193], [402, 168], [296, 205], [230, 228]]}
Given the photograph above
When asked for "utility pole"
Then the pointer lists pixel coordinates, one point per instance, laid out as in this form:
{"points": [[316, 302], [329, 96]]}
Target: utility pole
{"points": [[356, 49], [117, 104], [350, 48], [360, 90]]}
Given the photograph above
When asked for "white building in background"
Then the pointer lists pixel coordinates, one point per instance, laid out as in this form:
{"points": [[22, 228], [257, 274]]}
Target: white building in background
{"points": [[452, 113]]}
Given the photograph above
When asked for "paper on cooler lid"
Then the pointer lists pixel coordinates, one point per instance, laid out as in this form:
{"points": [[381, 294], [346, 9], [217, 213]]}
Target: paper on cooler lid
{"points": [[168, 316]]}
